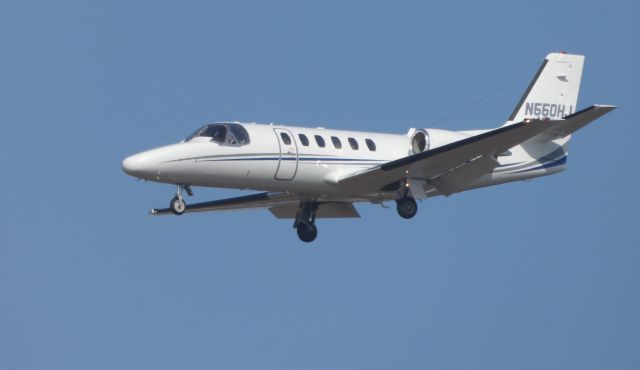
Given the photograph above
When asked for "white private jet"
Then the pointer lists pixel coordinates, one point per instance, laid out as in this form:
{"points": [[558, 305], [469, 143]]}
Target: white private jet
{"points": [[309, 173]]}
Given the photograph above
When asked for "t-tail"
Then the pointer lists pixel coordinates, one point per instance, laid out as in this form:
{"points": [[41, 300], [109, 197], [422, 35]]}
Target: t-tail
{"points": [[553, 95]]}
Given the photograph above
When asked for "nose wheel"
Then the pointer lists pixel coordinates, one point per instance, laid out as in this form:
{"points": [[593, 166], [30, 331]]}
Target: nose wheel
{"points": [[407, 207], [177, 204]]}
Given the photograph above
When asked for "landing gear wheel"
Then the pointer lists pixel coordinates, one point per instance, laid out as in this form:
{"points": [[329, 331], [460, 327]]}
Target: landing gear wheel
{"points": [[177, 205], [307, 232], [407, 207]]}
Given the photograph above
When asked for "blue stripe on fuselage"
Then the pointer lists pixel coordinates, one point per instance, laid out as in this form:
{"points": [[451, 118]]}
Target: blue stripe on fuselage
{"points": [[557, 162]]}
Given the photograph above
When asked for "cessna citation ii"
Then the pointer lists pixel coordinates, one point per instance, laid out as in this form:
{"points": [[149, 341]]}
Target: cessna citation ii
{"points": [[309, 173]]}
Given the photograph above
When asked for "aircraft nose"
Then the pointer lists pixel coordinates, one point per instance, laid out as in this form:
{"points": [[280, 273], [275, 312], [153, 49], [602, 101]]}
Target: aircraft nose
{"points": [[135, 165], [156, 164]]}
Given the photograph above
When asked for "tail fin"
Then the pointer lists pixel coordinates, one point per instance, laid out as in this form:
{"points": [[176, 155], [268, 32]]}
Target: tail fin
{"points": [[553, 92]]}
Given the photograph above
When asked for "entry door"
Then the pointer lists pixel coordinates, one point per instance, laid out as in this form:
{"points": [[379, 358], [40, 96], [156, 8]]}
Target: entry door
{"points": [[288, 164]]}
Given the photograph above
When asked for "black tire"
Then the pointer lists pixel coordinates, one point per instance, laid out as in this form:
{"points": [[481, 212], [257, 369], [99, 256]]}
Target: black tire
{"points": [[307, 232], [177, 206], [407, 207]]}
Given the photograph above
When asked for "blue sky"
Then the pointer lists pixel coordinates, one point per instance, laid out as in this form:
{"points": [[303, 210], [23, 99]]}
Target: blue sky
{"points": [[531, 275]]}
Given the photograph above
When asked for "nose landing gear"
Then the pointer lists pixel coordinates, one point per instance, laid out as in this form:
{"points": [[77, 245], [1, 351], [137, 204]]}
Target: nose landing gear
{"points": [[177, 204], [305, 222]]}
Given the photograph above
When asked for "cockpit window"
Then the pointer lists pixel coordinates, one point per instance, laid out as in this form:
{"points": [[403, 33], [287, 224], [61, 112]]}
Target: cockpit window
{"points": [[217, 132], [223, 133], [241, 135]]}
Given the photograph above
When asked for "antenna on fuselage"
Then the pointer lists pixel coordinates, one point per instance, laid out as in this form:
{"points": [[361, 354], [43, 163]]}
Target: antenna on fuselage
{"points": [[485, 96]]}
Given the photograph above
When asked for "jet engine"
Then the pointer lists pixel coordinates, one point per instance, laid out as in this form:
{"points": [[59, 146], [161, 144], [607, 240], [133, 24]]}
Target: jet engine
{"points": [[419, 141]]}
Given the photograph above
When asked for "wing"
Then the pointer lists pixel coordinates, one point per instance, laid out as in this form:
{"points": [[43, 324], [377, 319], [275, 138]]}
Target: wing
{"points": [[260, 200], [453, 164], [325, 210], [574, 122], [450, 168], [281, 205]]}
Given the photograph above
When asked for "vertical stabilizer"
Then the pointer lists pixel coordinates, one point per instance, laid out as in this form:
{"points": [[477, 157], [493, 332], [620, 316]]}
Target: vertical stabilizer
{"points": [[553, 92]]}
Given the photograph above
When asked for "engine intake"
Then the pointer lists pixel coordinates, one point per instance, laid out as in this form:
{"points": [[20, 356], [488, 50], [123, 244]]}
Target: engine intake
{"points": [[420, 141]]}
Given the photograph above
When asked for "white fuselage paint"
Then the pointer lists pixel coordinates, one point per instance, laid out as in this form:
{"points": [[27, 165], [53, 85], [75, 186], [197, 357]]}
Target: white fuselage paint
{"points": [[266, 163]]}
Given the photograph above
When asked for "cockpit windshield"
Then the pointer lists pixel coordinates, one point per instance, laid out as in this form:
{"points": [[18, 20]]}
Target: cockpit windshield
{"points": [[223, 133]]}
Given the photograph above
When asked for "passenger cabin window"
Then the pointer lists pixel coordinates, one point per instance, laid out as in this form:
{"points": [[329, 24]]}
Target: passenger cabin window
{"points": [[370, 144], [222, 133], [285, 138], [354, 143], [319, 141], [336, 142], [303, 139]]}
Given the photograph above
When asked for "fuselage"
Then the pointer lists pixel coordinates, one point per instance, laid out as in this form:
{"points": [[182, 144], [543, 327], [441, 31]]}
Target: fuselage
{"points": [[306, 160]]}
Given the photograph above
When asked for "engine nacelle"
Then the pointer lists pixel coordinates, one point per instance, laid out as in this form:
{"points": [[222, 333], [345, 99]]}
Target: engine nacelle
{"points": [[423, 139], [419, 141], [439, 137]]}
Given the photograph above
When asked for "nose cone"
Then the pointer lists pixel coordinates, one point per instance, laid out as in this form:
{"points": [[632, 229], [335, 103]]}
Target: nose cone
{"points": [[159, 164], [136, 165]]}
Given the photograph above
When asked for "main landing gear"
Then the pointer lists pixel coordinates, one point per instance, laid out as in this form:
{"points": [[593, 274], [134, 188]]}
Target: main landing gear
{"points": [[177, 204], [305, 222], [407, 207]]}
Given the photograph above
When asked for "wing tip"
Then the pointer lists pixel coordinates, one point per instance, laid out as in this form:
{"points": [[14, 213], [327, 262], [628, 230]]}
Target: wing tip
{"points": [[606, 106], [158, 212]]}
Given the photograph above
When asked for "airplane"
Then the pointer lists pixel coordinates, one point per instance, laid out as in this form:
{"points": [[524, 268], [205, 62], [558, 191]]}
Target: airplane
{"points": [[309, 173]]}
